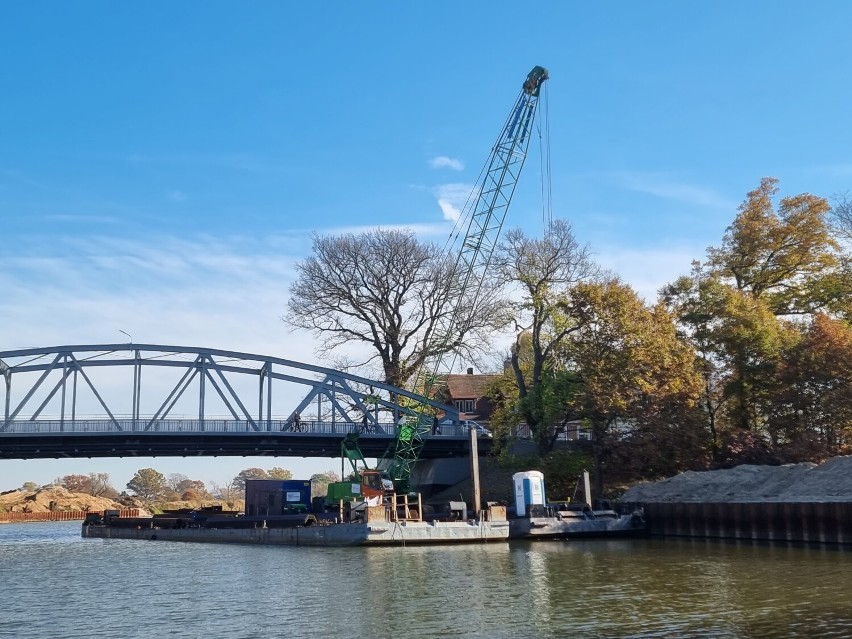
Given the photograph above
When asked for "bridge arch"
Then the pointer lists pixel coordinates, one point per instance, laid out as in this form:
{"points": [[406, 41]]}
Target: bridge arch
{"points": [[62, 396]]}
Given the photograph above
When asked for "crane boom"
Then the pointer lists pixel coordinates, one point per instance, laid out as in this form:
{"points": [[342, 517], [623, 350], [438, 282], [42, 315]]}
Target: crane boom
{"points": [[493, 195]]}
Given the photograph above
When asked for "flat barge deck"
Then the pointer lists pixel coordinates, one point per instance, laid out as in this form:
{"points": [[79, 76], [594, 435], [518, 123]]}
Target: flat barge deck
{"points": [[567, 526], [374, 526], [354, 534], [494, 527]]}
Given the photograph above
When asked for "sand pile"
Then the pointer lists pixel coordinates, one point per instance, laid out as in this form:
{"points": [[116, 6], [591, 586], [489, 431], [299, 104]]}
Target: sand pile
{"points": [[830, 481], [53, 498], [236, 504]]}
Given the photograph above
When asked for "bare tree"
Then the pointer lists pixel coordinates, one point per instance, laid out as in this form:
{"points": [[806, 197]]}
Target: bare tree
{"points": [[76, 483], [386, 290], [841, 217], [226, 491], [543, 272], [174, 480], [100, 485]]}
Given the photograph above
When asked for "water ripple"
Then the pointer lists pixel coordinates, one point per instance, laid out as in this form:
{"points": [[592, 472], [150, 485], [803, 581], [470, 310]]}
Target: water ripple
{"points": [[59, 585]]}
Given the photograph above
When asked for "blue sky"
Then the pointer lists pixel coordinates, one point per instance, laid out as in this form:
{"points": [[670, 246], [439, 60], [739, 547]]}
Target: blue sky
{"points": [[162, 165]]}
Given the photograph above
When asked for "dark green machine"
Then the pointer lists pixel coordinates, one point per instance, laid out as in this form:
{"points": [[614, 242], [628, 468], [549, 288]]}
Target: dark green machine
{"points": [[366, 483]]}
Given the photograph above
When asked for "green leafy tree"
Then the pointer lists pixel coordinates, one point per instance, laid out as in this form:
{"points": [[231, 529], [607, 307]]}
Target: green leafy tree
{"points": [[549, 401], [750, 338], [29, 486], [697, 303], [148, 484], [279, 473], [787, 257], [774, 261], [813, 419], [239, 482], [320, 482], [738, 340], [637, 378]]}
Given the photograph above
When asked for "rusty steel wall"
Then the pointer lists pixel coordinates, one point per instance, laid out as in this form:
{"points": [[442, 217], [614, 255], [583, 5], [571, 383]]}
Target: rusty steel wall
{"points": [[62, 515]]}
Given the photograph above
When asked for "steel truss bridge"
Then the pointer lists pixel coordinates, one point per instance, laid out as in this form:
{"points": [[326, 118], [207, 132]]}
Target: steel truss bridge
{"points": [[90, 401]]}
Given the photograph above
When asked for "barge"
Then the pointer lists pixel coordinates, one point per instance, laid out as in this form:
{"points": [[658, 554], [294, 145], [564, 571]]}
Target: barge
{"points": [[368, 526], [558, 522], [534, 518], [353, 534], [278, 513]]}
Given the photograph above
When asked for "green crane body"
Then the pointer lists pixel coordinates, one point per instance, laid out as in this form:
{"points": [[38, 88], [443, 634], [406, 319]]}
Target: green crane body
{"points": [[366, 483]]}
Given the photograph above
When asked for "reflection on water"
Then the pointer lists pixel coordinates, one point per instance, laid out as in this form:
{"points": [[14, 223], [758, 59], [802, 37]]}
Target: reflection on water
{"points": [[59, 585]]}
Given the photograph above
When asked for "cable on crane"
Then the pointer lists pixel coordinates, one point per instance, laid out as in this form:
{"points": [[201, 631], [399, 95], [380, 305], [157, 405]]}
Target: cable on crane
{"points": [[544, 159]]}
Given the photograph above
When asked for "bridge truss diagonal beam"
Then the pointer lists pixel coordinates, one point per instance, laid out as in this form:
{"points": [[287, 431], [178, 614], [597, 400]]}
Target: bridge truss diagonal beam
{"points": [[39, 381]]}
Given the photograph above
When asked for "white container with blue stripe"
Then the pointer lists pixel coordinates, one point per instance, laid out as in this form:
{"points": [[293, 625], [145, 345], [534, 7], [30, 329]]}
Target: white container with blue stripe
{"points": [[529, 490]]}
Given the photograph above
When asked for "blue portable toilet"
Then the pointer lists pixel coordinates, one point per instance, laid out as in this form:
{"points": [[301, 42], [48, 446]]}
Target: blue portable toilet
{"points": [[529, 491]]}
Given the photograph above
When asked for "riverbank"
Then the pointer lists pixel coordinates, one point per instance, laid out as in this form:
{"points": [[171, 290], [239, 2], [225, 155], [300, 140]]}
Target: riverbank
{"points": [[55, 503]]}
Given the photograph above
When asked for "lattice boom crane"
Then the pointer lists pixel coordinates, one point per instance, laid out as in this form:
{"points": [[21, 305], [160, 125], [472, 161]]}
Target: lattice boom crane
{"points": [[493, 195]]}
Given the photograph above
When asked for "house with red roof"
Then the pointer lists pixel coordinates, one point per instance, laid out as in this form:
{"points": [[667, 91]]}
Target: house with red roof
{"points": [[467, 393]]}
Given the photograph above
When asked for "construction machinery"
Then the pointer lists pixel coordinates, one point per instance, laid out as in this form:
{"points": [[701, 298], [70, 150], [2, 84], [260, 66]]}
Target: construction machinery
{"points": [[365, 484], [489, 201]]}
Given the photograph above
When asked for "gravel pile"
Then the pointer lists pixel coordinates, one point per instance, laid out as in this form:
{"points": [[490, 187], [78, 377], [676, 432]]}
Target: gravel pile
{"points": [[52, 498], [830, 481]]}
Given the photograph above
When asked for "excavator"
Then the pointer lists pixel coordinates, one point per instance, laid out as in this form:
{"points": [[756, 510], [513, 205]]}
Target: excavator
{"points": [[365, 484]]}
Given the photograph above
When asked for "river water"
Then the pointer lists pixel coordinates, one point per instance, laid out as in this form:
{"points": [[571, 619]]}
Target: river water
{"points": [[56, 584]]}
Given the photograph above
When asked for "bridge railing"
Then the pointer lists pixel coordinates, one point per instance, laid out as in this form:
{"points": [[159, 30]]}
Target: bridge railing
{"points": [[98, 426]]}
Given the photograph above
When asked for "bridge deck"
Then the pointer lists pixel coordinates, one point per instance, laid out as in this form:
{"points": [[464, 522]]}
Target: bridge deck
{"points": [[27, 439], [138, 395]]}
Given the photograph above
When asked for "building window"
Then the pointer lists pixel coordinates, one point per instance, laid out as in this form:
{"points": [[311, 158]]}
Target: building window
{"points": [[465, 405]]}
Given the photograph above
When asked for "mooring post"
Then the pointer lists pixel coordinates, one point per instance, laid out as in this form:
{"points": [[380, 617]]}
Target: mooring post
{"points": [[587, 490], [474, 469]]}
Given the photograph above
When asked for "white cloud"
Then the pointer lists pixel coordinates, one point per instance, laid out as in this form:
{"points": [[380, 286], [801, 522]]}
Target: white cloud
{"points": [[444, 162], [223, 293], [172, 291], [453, 199], [648, 270], [668, 187], [450, 212]]}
